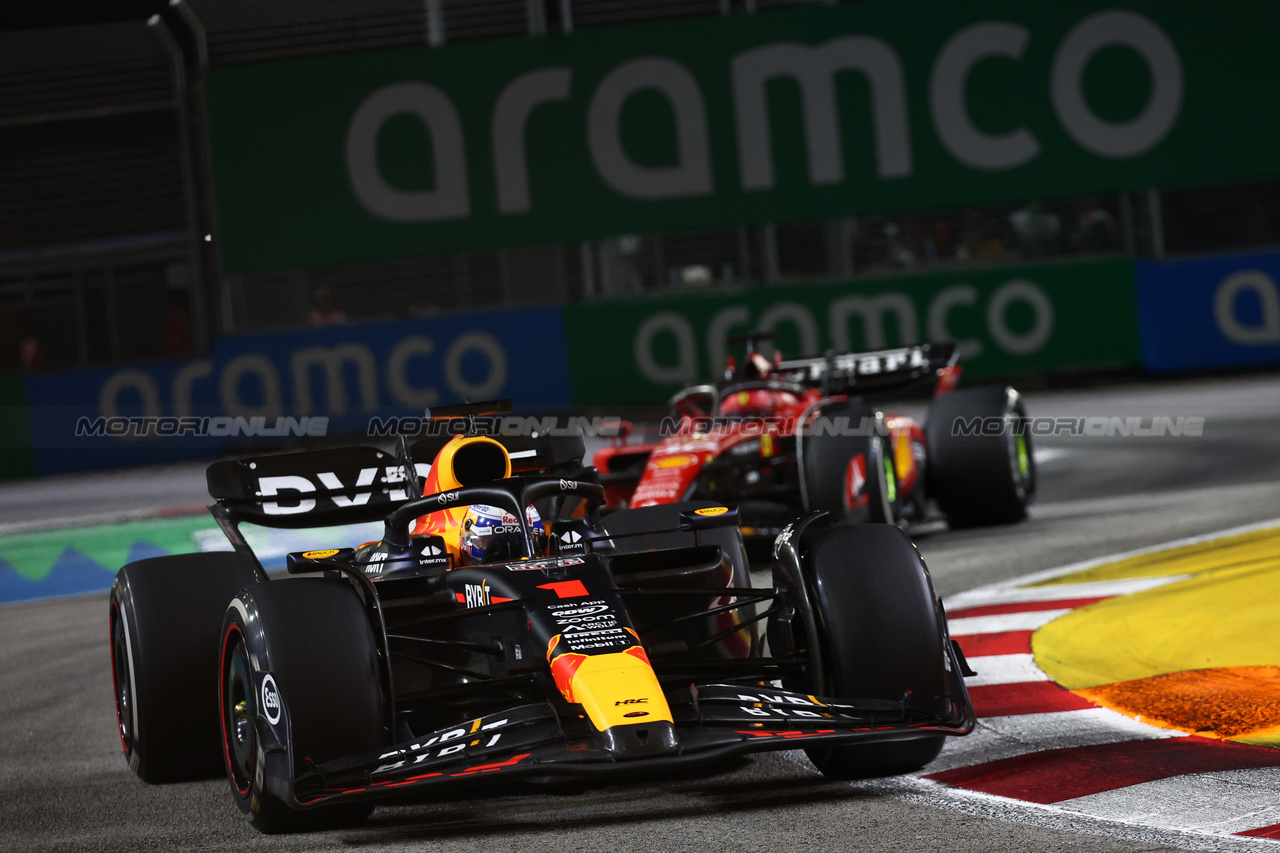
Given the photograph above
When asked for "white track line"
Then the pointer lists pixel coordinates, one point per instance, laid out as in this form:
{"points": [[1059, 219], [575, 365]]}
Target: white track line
{"points": [[1058, 592], [1026, 621], [1004, 669], [1050, 574]]}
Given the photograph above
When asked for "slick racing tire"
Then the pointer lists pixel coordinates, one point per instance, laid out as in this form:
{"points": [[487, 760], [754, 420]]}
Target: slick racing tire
{"points": [[880, 638], [850, 476], [982, 468], [298, 666], [164, 619]]}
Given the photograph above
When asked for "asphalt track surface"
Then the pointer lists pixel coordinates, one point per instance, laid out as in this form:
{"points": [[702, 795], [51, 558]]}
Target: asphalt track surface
{"points": [[64, 785]]}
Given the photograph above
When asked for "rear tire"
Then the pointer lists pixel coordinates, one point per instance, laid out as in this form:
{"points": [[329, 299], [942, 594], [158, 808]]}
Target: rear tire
{"points": [[164, 620], [880, 638], [312, 638], [851, 476], [984, 478]]}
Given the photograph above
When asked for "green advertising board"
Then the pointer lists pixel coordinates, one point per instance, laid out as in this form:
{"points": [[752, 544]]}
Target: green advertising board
{"points": [[1053, 316], [784, 115]]}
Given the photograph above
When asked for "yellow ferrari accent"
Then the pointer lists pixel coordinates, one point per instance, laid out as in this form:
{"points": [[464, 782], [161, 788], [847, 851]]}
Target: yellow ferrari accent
{"points": [[610, 686], [766, 445], [903, 459]]}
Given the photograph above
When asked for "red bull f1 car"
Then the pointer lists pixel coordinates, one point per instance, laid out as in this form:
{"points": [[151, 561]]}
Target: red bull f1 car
{"points": [[465, 647], [784, 437]]}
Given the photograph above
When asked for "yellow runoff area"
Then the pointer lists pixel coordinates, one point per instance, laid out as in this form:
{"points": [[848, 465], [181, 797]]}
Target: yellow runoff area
{"points": [[1199, 655]]}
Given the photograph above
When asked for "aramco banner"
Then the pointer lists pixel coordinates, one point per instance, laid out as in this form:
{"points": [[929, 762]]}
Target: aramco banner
{"points": [[810, 113], [293, 387], [1006, 321]]}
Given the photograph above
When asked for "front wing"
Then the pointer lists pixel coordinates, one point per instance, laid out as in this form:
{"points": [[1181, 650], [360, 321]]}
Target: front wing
{"points": [[711, 722]]}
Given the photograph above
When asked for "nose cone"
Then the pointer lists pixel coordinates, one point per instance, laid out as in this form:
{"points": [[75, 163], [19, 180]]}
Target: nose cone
{"points": [[639, 740]]}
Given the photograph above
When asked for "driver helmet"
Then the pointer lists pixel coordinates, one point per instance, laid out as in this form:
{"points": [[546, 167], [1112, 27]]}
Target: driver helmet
{"points": [[756, 404], [486, 527]]}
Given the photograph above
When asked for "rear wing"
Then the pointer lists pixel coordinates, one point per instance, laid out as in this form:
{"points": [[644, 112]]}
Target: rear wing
{"points": [[350, 485], [861, 372], [315, 488]]}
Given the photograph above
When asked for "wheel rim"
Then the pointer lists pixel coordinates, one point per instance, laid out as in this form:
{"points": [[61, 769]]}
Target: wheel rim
{"points": [[120, 676], [890, 478], [237, 719], [888, 482], [1020, 458]]}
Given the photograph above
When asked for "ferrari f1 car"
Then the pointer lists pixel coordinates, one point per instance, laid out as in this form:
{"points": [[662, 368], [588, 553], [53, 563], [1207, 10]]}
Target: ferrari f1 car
{"points": [[784, 437], [571, 647]]}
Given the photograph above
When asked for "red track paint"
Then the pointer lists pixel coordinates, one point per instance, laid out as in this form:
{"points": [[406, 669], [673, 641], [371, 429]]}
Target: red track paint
{"points": [[1055, 775], [1030, 697], [1002, 643], [1024, 607], [1272, 831]]}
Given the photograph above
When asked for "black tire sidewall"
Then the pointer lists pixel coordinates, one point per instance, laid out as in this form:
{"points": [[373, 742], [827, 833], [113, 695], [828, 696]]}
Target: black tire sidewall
{"points": [[171, 610], [880, 632]]}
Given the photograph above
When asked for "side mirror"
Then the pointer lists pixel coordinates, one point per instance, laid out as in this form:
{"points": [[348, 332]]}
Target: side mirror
{"points": [[709, 517]]}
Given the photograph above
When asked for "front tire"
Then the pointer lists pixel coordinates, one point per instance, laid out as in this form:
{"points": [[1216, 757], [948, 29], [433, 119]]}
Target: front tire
{"points": [[298, 660], [852, 477], [881, 638], [164, 619]]}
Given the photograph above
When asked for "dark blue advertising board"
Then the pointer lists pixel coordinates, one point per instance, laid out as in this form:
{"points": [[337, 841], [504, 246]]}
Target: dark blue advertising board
{"points": [[1212, 312], [289, 387]]}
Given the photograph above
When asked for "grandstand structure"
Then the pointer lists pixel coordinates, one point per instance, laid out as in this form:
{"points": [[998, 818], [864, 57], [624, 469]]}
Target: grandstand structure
{"points": [[107, 225]]}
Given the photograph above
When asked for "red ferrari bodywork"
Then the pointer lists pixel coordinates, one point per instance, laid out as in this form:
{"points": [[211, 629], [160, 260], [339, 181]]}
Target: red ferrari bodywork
{"points": [[746, 423]]}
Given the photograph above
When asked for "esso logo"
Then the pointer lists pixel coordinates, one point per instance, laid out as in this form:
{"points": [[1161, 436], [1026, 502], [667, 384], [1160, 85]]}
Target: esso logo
{"points": [[271, 700]]}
